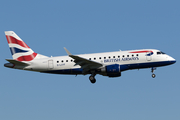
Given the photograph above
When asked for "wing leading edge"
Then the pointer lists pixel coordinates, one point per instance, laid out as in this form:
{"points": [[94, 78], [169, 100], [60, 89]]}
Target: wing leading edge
{"points": [[85, 64]]}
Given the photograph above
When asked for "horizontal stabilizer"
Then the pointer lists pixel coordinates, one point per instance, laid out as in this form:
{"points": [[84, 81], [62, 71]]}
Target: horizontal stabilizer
{"points": [[15, 62]]}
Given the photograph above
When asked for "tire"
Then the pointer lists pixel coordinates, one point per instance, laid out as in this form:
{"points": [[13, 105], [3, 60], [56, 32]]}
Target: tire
{"points": [[93, 81], [153, 75], [91, 78]]}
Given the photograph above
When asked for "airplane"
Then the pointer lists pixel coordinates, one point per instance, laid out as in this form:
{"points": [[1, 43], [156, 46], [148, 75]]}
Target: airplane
{"points": [[109, 64]]}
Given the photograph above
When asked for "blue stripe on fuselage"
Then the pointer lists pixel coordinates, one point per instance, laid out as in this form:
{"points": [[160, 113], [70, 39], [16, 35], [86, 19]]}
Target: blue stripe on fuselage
{"points": [[150, 64], [123, 67], [65, 71]]}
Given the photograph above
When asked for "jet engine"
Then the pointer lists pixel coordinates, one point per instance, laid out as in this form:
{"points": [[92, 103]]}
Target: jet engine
{"points": [[113, 70]]}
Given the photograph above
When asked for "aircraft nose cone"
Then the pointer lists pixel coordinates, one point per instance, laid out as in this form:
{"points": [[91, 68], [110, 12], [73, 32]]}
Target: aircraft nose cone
{"points": [[172, 60]]}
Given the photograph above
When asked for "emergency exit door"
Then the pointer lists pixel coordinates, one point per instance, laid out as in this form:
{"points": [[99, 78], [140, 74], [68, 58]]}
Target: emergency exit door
{"points": [[50, 64]]}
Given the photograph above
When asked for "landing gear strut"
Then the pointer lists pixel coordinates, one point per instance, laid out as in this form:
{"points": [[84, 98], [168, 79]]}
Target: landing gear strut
{"points": [[92, 78], [152, 70]]}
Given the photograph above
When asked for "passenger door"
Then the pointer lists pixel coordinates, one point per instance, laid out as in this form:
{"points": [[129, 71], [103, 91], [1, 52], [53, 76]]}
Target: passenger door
{"points": [[148, 56]]}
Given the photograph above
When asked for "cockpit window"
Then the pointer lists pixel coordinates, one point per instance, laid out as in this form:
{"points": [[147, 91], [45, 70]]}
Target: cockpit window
{"points": [[163, 53], [159, 53]]}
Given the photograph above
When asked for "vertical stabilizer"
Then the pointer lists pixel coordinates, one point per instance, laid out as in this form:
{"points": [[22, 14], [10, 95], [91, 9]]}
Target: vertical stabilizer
{"points": [[19, 49]]}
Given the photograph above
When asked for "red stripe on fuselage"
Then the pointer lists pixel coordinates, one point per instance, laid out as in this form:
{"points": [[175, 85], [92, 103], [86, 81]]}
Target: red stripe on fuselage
{"points": [[141, 51], [13, 40], [27, 57]]}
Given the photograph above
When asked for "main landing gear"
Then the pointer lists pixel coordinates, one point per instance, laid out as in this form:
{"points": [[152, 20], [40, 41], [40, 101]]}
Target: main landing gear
{"points": [[92, 78], [152, 70]]}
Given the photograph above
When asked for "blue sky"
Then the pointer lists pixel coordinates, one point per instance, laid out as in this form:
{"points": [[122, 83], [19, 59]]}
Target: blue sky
{"points": [[89, 27]]}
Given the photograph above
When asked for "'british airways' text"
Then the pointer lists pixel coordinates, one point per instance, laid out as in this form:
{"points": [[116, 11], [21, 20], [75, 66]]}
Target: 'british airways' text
{"points": [[121, 59]]}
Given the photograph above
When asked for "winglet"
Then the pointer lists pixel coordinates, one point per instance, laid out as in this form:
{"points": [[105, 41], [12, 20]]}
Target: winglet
{"points": [[67, 51]]}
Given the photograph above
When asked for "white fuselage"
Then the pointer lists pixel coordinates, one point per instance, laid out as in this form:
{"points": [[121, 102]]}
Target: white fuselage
{"points": [[132, 59], [109, 64]]}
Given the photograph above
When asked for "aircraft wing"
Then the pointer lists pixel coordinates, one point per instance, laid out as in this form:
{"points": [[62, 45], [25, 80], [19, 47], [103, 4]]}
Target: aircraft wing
{"points": [[85, 64]]}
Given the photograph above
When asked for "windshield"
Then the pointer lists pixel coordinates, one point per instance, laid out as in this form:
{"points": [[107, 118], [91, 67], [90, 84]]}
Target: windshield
{"points": [[159, 53]]}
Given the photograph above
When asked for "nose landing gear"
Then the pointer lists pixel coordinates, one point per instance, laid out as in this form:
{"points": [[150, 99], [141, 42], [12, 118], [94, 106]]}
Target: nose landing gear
{"points": [[152, 70]]}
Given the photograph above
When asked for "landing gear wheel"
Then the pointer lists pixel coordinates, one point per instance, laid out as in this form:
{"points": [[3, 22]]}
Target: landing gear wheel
{"points": [[92, 79], [153, 75]]}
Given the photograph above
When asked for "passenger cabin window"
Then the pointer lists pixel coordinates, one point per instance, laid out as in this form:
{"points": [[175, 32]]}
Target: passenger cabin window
{"points": [[66, 60], [99, 57], [113, 56], [123, 56], [94, 58], [109, 57], [57, 61], [104, 57], [118, 56], [89, 58], [127, 55]]}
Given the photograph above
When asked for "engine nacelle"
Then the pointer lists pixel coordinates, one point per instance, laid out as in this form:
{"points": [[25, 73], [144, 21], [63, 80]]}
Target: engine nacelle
{"points": [[113, 70]]}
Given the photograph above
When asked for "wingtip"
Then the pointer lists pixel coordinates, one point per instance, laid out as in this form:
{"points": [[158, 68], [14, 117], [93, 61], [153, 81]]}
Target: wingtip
{"points": [[67, 51]]}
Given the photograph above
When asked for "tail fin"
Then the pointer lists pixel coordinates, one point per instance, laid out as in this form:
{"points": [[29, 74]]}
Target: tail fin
{"points": [[19, 49]]}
